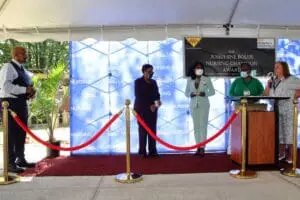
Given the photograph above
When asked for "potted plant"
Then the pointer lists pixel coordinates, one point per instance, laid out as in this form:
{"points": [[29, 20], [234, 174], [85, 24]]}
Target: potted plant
{"points": [[45, 107]]}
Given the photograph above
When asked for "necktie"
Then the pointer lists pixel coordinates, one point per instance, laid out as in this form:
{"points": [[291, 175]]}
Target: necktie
{"points": [[22, 68]]}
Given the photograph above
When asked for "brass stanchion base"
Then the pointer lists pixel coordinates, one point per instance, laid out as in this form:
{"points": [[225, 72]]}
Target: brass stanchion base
{"points": [[242, 175], [132, 178], [290, 172], [11, 179]]}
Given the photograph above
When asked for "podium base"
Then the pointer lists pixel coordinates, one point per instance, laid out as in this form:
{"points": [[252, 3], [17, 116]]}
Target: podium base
{"points": [[243, 175], [290, 172], [132, 178], [11, 179]]}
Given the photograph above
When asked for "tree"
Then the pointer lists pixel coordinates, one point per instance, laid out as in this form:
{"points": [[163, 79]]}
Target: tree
{"points": [[51, 59], [5, 52], [41, 55], [47, 102]]}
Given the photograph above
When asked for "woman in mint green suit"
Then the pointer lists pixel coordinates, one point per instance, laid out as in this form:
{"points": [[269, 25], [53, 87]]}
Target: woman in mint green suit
{"points": [[199, 88]]}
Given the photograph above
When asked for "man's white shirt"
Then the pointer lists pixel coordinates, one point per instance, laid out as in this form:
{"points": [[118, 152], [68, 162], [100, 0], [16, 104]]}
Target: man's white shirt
{"points": [[7, 75]]}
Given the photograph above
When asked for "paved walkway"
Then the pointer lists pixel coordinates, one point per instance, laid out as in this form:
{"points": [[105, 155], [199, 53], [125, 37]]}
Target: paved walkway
{"points": [[215, 186], [212, 186]]}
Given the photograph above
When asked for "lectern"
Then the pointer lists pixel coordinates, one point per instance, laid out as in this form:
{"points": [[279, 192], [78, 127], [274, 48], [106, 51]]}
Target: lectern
{"points": [[261, 126]]}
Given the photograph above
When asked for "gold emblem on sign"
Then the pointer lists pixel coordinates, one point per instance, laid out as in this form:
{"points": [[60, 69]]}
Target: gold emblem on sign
{"points": [[193, 41]]}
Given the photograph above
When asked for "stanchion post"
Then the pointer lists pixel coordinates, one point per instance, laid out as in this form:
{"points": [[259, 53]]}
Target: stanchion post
{"points": [[243, 173], [127, 115], [128, 177], [6, 179], [294, 171]]}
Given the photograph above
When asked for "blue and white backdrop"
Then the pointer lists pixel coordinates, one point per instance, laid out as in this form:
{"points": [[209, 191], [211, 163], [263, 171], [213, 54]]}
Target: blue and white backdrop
{"points": [[102, 77]]}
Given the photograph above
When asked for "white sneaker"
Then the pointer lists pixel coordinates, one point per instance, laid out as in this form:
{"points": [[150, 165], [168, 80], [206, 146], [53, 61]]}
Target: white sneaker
{"points": [[281, 157]]}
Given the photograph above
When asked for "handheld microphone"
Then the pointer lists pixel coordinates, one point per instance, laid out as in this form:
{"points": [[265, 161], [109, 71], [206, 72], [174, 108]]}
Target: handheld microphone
{"points": [[271, 76]]}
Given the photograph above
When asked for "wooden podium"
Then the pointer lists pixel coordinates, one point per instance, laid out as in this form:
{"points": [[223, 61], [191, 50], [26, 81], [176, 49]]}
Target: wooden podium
{"points": [[261, 134]]}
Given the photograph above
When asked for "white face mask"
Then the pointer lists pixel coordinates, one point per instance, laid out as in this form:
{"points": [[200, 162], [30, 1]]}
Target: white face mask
{"points": [[199, 72], [244, 74]]}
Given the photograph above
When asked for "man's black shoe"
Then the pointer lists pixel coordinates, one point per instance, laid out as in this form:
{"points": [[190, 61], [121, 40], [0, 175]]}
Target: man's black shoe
{"points": [[15, 169], [143, 155], [153, 155], [24, 163]]}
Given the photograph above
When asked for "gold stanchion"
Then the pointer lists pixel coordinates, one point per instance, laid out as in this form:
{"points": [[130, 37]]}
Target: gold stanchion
{"points": [[6, 179], [128, 177], [294, 172], [243, 173]]}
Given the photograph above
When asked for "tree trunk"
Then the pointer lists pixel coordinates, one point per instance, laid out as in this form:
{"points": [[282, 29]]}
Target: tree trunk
{"points": [[51, 153]]}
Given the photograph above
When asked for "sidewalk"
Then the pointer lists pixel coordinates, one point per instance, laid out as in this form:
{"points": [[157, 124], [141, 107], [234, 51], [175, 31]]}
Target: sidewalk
{"points": [[208, 186]]}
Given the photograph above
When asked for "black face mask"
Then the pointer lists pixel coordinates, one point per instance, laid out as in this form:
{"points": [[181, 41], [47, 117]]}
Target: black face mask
{"points": [[151, 75]]}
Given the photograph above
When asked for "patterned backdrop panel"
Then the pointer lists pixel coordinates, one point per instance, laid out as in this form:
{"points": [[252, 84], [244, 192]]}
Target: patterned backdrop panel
{"points": [[102, 77]]}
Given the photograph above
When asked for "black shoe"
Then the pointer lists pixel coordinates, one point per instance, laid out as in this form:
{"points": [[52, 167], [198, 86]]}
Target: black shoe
{"points": [[24, 163], [153, 155], [197, 152], [15, 169], [200, 152], [143, 155]]}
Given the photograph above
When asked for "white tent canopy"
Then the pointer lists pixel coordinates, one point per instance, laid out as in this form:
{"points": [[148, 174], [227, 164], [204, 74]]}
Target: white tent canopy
{"points": [[36, 20]]}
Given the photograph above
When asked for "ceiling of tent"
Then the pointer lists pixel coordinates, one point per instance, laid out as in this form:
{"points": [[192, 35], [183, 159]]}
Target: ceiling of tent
{"points": [[67, 19]]}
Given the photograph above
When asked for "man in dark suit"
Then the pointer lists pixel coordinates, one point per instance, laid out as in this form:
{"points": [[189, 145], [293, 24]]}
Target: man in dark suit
{"points": [[147, 102]]}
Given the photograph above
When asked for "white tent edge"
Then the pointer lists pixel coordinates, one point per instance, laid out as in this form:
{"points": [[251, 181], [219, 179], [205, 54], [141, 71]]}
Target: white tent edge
{"points": [[141, 32], [145, 33]]}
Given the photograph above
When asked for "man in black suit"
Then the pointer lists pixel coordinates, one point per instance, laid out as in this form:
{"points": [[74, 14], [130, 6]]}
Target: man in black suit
{"points": [[147, 102]]}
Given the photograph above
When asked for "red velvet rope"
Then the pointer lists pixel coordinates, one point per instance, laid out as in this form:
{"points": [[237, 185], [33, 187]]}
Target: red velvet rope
{"points": [[91, 140], [153, 135]]}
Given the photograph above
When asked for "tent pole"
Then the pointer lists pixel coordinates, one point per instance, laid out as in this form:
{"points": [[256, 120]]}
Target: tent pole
{"points": [[229, 25], [5, 2], [233, 11]]}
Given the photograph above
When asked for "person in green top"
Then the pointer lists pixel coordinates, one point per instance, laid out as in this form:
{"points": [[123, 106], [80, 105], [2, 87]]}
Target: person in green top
{"points": [[246, 85]]}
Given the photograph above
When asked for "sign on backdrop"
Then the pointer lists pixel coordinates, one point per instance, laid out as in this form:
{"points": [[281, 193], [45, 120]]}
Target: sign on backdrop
{"points": [[223, 56]]}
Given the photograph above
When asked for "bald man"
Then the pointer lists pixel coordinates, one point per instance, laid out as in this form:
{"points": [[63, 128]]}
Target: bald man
{"points": [[16, 88]]}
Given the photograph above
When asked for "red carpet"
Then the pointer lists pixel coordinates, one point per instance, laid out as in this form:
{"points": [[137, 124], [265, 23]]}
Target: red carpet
{"points": [[115, 164]]}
